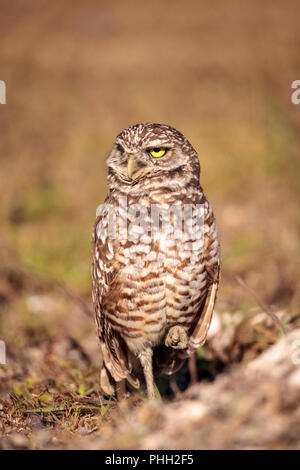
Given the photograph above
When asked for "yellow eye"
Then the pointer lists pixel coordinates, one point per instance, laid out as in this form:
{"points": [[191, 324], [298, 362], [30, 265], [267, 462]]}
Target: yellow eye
{"points": [[157, 152]]}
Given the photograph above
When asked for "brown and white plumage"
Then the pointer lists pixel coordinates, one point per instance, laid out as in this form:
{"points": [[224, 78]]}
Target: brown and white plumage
{"points": [[153, 291]]}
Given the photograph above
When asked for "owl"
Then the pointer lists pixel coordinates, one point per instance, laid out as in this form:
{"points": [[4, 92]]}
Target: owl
{"points": [[156, 258]]}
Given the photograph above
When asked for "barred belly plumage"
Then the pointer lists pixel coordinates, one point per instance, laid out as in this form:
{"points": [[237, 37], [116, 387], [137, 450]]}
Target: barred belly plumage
{"points": [[160, 283]]}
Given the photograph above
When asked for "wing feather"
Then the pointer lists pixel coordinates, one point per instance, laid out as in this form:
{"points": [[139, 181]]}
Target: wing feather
{"points": [[116, 363], [211, 259]]}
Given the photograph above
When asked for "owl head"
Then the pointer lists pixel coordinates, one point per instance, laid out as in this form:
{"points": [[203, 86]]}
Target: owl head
{"points": [[146, 151]]}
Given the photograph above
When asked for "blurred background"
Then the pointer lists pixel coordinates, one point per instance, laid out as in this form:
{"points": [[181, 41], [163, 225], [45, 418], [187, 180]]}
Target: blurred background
{"points": [[77, 73]]}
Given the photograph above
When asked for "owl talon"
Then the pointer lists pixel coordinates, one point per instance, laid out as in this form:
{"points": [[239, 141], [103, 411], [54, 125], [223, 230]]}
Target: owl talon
{"points": [[176, 338]]}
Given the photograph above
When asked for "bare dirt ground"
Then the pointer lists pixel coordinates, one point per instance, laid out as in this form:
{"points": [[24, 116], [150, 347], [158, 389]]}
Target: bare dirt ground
{"points": [[76, 74]]}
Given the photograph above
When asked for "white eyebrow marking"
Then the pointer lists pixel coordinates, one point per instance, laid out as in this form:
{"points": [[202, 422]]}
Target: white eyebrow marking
{"points": [[158, 143]]}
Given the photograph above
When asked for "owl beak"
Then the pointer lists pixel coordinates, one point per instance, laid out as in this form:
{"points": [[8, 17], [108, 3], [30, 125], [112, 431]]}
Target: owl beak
{"points": [[134, 165], [130, 165]]}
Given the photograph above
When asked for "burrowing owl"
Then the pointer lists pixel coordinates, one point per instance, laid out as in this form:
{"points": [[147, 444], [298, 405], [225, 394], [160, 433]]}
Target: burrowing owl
{"points": [[156, 257]]}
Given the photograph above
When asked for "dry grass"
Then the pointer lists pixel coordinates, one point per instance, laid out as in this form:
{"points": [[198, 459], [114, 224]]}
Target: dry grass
{"points": [[76, 74]]}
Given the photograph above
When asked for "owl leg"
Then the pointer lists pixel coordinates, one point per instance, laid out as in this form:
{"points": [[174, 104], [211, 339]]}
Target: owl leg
{"points": [[177, 338], [121, 389], [145, 358]]}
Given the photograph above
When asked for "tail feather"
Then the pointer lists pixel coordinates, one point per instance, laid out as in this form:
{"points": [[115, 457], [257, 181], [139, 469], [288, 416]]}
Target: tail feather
{"points": [[106, 383], [117, 366]]}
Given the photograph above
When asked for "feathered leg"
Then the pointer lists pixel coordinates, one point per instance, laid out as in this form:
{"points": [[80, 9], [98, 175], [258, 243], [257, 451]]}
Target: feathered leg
{"points": [[121, 389], [145, 358]]}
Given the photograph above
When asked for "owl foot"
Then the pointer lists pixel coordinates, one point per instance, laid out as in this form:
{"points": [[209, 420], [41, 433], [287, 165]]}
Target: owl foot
{"points": [[176, 338]]}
